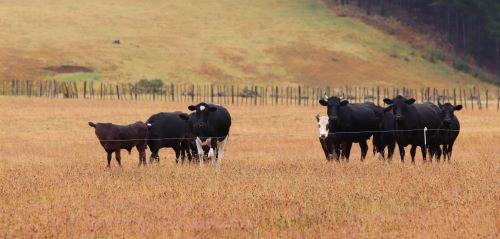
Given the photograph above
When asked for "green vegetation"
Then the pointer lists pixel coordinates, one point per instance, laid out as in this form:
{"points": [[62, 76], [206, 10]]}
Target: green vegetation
{"points": [[78, 76]]}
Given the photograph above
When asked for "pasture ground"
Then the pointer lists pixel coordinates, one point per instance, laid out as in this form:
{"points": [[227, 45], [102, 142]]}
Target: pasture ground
{"points": [[225, 41], [273, 181]]}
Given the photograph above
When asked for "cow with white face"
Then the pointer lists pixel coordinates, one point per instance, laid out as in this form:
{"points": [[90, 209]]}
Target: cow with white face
{"points": [[209, 125], [331, 148]]}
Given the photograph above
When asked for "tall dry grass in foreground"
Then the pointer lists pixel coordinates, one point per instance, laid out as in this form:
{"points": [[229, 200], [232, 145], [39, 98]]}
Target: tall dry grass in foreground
{"points": [[273, 181]]}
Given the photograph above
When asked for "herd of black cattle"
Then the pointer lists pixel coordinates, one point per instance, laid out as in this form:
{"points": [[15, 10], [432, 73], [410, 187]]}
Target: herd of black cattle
{"points": [[403, 122], [203, 133], [199, 135]]}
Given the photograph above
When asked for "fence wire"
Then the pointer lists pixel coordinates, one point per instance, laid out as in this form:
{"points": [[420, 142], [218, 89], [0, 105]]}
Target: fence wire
{"points": [[277, 136]]}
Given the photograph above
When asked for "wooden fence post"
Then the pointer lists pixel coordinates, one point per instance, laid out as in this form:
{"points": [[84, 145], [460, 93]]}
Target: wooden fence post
{"points": [[85, 89], [117, 91], [486, 99], [300, 94], [256, 93], [465, 98]]}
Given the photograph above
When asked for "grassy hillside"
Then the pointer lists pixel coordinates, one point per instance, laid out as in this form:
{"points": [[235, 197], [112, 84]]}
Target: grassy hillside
{"points": [[240, 41]]}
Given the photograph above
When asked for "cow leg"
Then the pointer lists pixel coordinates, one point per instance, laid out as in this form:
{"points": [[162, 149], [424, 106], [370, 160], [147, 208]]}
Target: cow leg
{"points": [[177, 150], [142, 154], [424, 153], [401, 153], [324, 146], [413, 152], [220, 149], [118, 158], [199, 148], [212, 152], [364, 149], [110, 154], [346, 148], [438, 152], [449, 151], [185, 147], [154, 155], [390, 150], [336, 151]]}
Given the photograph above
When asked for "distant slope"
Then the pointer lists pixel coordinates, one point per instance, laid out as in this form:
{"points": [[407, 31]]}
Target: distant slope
{"points": [[237, 41]]}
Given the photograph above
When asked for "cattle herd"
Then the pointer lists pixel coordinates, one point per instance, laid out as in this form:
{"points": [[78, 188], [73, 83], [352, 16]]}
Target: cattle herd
{"points": [[203, 134], [428, 126], [200, 135]]}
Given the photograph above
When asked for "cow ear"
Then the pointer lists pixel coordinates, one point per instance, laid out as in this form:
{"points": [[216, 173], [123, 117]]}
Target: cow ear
{"points": [[212, 108], [92, 124], [410, 101], [323, 102], [344, 102], [317, 118], [458, 107], [192, 107], [388, 101], [388, 108], [184, 116]]}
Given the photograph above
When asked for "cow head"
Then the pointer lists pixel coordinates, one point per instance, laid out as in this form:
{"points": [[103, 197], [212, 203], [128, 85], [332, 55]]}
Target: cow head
{"points": [[333, 105], [200, 114], [447, 112], [323, 126], [399, 106]]}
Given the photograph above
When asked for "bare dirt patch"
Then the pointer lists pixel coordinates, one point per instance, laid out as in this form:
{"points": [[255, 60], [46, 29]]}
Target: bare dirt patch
{"points": [[68, 69]]}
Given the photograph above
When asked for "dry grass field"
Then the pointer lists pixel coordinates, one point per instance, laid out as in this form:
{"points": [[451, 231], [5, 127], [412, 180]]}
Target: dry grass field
{"points": [[223, 41], [273, 181]]}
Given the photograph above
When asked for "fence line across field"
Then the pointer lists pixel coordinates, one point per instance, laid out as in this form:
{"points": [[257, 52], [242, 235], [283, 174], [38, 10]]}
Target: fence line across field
{"points": [[469, 97], [12, 141]]}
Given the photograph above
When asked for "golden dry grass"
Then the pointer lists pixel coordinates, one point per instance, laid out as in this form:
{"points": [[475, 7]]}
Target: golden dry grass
{"points": [[273, 181], [224, 41]]}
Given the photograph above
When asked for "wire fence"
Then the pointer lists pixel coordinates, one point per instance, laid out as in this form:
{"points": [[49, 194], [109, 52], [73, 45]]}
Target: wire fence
{"points": [[471, 98], [277, 136]]}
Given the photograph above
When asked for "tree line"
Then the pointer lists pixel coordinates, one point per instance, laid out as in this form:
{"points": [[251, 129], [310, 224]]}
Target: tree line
{"points": [[472, 27]]}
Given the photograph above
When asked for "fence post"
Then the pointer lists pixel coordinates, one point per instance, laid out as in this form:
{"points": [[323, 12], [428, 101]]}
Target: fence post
{"points": [[498, 98], [454, 97], [465, 98], [256, 95], [76, 88], [300, 96], [118, 91], [486, 99], [85, 89]]}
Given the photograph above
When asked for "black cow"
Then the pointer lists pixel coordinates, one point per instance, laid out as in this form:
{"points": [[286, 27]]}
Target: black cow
{"points": [[113, 138], [329, 143], [169, 130], [385, 136], [409, 122], [351, 123], [209, 124], [449, 129]]}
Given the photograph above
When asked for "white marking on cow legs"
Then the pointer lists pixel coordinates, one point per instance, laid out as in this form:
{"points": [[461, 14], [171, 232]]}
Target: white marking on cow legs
{"points": [[200, 150], [220, 149], [211, 155], [379, 156]]}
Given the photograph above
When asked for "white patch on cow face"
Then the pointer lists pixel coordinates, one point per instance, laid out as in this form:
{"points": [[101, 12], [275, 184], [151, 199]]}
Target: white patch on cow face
{"points": [[202, 108], [323, 127]]}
